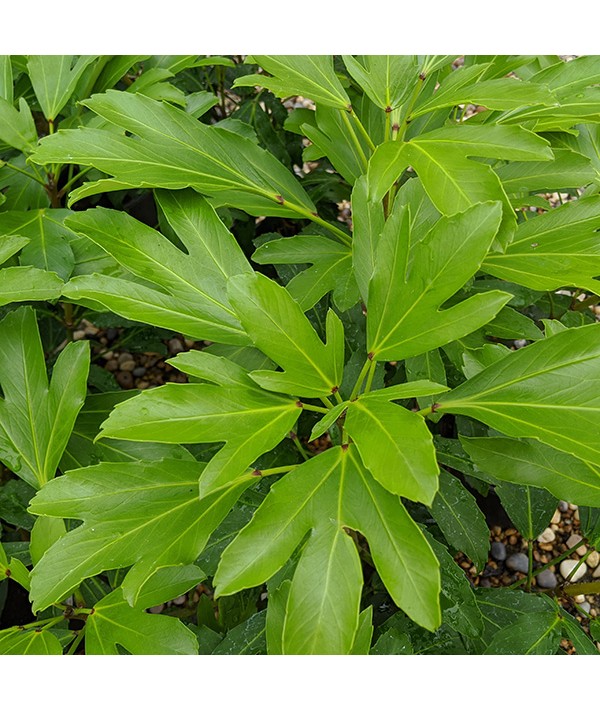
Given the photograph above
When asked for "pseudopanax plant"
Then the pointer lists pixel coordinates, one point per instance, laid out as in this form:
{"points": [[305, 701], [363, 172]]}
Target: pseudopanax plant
{"points": [[388, 342]]}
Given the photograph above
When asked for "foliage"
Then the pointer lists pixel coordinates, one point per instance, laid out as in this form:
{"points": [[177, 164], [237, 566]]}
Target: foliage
{"points": [[383, 348]]}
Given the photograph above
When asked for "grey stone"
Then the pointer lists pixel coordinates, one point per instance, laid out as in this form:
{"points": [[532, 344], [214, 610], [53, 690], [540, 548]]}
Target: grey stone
{"points": [[498, 551], [563, 506], [546, 579], [518, 562], [139, 371], [585, 606]]}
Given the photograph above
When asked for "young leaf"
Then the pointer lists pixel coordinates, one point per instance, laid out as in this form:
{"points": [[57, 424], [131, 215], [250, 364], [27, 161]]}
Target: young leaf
{"points": [[386, 79], [331, 270], [557, 249], [248, 420], [461, 521], [545, 391], [54, 78], [16, 640], [423, 278], [113, 622], [140, 514], [322, 496], [531, 463], [36, 418], [368, 222], [364, 633], [246, 638], [307, 75], [173, 150], [17, 127], [277, 326], [187, 290], [396, 446]]}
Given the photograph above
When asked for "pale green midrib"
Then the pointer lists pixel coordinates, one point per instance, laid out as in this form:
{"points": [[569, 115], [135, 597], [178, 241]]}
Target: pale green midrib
{"points": [[416, 588], [522, 378], [456, 517], [290, 519], [146, 255], [296, 346], [543, 636], [422, 294]]}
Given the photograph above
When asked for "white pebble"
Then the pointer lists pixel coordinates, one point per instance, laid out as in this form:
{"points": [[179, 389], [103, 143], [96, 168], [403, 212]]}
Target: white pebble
{"points": [[593, 559], [573, 540], [579, 599], [556, 517], [547, 536], [596, 573], [569, 565]]}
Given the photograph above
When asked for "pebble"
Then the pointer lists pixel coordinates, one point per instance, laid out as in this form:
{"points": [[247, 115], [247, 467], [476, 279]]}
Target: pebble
{"points": [[593, 559], [128, 365], [568, 565], [157, 609], [563, 506], [547, 536], [78, 335], [573, 540], [125, 379], [579, 599], [175, 346], [547, 579], [586, 607], [139, 371], [180, 600], [518, 562], [596, 573], [498, 551], [556, 517], [124, 358], [111, 334], [112, 365]]}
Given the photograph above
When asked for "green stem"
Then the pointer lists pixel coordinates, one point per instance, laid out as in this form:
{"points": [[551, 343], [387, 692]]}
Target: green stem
{"points": [[363, 130], [315, 408], [340, 234], [338, 398], [326, 402], [75, 643], [427, 411], [23, 172], [370, 377], [74, 179], [42, 623], [530, 566], [277, 470], [580, 562], [299, 447], [554, 561], [355, 140], [409, 107], [359, 381]]}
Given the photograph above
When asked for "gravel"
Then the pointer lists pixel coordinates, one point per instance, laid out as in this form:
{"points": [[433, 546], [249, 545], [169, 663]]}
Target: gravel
{"points": [[498, 551], [568, 565], [546, 579], [518, 562]]}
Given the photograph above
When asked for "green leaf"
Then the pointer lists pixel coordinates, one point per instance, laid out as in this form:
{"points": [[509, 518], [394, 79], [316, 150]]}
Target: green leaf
{"points": [[167, 583], [441, 159], [16, 640], [113, 622], [530, 509], [17, 127], [429, 367], [48, 244], [82, 450], [276, 617], [570, 76], [502, 607], [45, 532], [183, 291], [557, 249], [29, 284], [392, 641], [36, 418], [143, 514], [396, 446], [531, 463], [461, 521], [364, 633], [13, 569], [54, 78], [308, 75], [386, 79], [15, 496], [328, 420], [571, 629], [536, 633], [368, 222], [423, 278], [458, 602], [331, 270], [509, 324], [464, 86], [568, 170], [247, 638], [248, 420], [275, 323], [322, 497], [173, 150], [544, 391]]}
